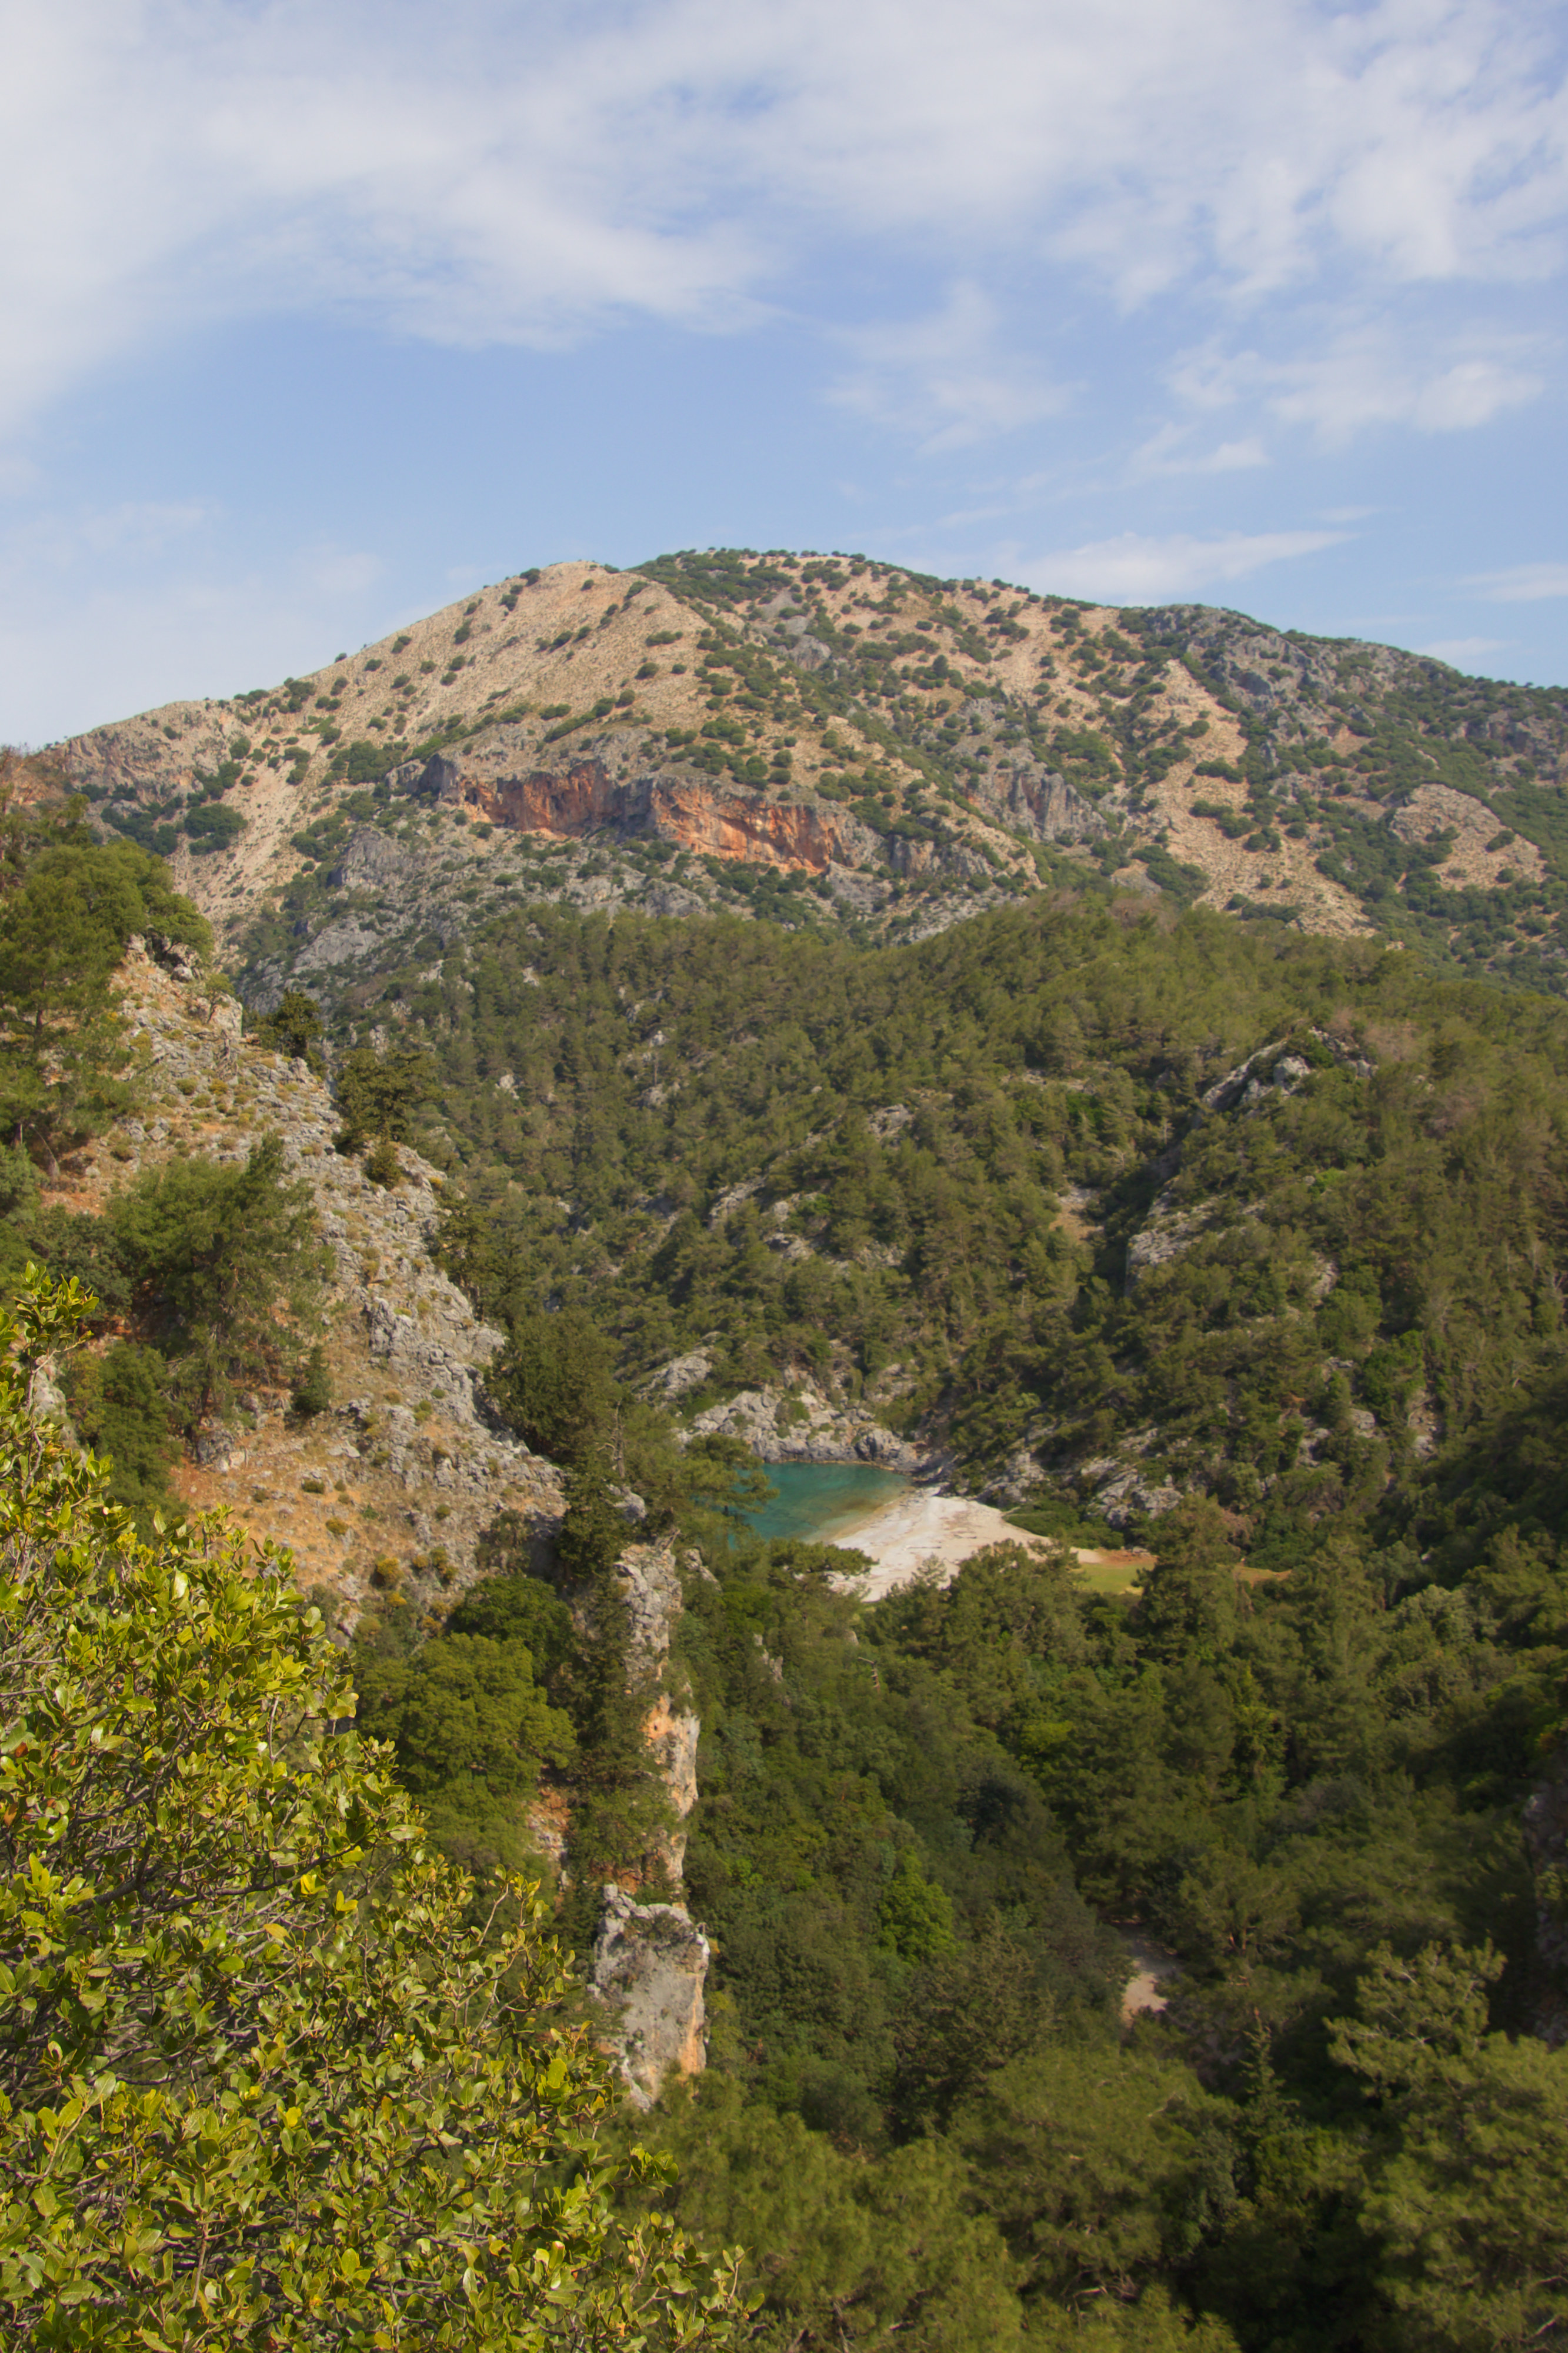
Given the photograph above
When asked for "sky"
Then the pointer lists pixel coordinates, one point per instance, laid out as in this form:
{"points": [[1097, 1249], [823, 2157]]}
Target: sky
{"points": [[320, 316]]}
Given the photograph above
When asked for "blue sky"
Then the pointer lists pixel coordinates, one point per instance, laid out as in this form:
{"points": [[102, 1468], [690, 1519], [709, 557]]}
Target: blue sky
{"points": [[318, 315]]}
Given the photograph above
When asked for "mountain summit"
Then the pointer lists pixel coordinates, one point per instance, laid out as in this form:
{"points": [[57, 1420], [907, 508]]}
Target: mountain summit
{"points": [[823, 739]]}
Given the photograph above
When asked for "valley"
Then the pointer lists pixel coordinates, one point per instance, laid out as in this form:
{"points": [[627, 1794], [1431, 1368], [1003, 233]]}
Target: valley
{"points": [[1091, 1087]]}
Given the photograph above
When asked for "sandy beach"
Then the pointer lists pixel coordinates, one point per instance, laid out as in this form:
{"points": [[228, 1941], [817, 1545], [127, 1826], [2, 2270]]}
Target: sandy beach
{"points": [[902, 1537], [899, 1537]]}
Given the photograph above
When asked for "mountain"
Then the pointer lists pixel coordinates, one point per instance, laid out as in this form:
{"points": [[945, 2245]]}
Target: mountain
{"points": [[821, 1171], [1121, 1203], [832, 741]]}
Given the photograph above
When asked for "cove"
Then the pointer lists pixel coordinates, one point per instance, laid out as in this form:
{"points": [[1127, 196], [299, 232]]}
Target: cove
{"points": [[823, 1503]]}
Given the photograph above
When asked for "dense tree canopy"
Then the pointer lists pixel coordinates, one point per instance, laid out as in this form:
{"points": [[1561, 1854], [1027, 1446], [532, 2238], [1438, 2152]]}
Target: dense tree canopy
{"points": [[271, 2072], [213, 1251], [68, 906], [1281, 1222], [799, 1159]]}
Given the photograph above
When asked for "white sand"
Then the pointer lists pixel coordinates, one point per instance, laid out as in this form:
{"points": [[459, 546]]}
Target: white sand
{"points": [[921, 1530], [902, 1536]]}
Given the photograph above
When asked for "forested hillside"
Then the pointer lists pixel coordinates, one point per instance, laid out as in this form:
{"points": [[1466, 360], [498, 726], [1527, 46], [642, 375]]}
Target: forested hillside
{"points": [[1066, 1189], [1255, 1242], [1243, 1237]]}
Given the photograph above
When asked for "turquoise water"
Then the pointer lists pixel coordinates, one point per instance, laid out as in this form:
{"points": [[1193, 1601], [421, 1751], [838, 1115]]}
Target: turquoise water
{"points": [[819, 1501]]}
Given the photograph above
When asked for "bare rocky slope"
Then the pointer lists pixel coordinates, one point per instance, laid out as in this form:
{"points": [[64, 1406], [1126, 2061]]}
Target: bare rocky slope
{"points": [[393, 1494], [394, 1487], [835, 740]]}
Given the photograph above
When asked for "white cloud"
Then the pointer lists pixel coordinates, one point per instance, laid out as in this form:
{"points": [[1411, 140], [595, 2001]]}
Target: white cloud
{"points": [[1133, 569], [343, 572], [55, 556], [1367, 376], [942, 379], [1462, 651], [1354, 389], [1170, 451], [468, 171], [1521, 584], [1472, 393]]}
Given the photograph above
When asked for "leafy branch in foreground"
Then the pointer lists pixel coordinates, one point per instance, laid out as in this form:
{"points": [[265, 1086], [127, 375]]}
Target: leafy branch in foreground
{"points": [[270, 2072]]}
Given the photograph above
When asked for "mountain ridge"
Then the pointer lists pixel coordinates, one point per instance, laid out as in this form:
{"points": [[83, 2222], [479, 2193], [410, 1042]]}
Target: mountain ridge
{"points": [[841, 741]]}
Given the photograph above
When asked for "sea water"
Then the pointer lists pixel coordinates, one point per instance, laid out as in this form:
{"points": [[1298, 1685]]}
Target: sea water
{"points": [[823, 1503]]}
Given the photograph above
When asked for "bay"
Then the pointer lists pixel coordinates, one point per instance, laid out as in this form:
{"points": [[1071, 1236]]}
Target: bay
{"points": [[823, 1502]]}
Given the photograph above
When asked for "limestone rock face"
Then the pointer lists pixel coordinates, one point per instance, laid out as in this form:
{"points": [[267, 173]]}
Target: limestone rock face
{"points": [[683, 1373], [1038, 801], [650, 1963], [650, 1580], [1129, 1495], [805, 1427], [403, 1482], [1167, 1231], [672, 1735], [649, 1577], [372, 861], [618, 781]]}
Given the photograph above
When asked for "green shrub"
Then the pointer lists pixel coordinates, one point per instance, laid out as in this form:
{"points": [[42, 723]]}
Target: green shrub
{"points": [[381, 1165], [313, 1390], [216, 1254], [294, 1027], [119, 1404], [214, 826]]}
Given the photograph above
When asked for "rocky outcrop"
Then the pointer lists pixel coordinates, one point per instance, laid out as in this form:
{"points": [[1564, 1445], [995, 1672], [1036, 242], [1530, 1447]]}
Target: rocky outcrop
{"points": [[803, 1426], [1036, 800], [1167, 1231], [1129, 1493], [649, 1968], [1115, 1489], [671, 1740], [650, 1963], [374, 862], [650, 1576], [611, 783], [1271, 1071], [650, 1582], [680, 1375], [397, 1486]]}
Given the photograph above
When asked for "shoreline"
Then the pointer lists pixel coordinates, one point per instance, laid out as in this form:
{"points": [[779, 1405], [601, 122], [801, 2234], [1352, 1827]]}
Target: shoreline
{"points": [[919, 1529], [901, 1536]]}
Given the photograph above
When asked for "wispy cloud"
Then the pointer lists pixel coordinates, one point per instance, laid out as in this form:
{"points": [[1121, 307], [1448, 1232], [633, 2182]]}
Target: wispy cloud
{"points": [[1463, 651], [1133, 569], [945, 380], [476, 173], [1349, 390], [1367, 376], [1521, 584], [122, 610], [1171, 451], [55, 544]]}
